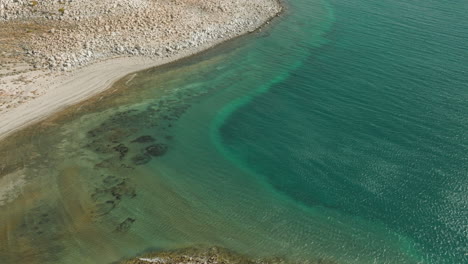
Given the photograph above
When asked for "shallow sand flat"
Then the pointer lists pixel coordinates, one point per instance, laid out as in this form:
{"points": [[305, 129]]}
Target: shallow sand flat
{"points": [[10, 186]]}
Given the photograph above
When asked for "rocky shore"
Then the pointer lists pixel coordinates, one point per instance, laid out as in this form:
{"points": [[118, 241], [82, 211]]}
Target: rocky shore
{"points": [[213, 255], [44, 43]]}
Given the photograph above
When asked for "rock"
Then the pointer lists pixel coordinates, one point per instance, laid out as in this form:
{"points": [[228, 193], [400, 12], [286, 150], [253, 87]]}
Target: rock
{"points": [[110, 180], [125, 225], [122, 149], [141, 159], [135, 27], [211, 255], [143, 139], [157, 149], [119, 49], [122, 189]]}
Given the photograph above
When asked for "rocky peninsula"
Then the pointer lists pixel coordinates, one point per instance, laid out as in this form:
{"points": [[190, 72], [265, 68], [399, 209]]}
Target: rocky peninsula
{"points": [[212, 255], [54, 53]]}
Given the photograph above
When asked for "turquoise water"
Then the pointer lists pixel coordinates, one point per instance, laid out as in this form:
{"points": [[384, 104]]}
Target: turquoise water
{"points": [[336, 134], [373, 124]]}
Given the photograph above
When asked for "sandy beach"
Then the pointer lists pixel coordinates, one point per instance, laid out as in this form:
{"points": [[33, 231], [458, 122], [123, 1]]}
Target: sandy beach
{"points": [[35, 83]]}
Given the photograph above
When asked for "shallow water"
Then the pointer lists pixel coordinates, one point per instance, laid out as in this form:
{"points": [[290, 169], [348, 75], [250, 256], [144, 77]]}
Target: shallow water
{"points": [[337, 134]]}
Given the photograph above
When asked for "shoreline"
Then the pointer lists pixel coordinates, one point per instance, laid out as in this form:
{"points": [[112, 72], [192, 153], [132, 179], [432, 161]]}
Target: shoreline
{"points": [[69, 88]]}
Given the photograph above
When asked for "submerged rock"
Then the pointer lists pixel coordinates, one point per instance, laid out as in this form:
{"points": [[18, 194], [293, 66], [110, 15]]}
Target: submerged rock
{"points": [[99, 147], [141, 159], [122, 189], [105, 207], [104, 164], [110, 180], [108, 197], [125, 225], [157, 149], [122, 149], [143, 139]]}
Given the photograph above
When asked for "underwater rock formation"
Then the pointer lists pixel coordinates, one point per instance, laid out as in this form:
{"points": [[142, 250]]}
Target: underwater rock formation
{"points": [[157, 150]]}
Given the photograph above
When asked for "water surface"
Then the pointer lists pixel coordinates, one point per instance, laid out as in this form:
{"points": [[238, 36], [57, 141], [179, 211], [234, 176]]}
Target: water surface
{"points": [[337, 134]]}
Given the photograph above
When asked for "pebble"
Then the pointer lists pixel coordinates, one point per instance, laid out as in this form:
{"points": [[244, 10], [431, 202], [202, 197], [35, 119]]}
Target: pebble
{"points": [[87, 31]]}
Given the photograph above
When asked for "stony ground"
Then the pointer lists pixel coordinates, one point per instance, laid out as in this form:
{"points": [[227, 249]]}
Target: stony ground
{"points": [[213, 255], [50, 36]]}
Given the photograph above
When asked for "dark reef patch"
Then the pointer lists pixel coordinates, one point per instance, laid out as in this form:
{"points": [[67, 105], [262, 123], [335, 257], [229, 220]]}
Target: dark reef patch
{"points": [[125, 225], [140, 159], [157, 149], [109, 196], [143, 139], [122, 150]]}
